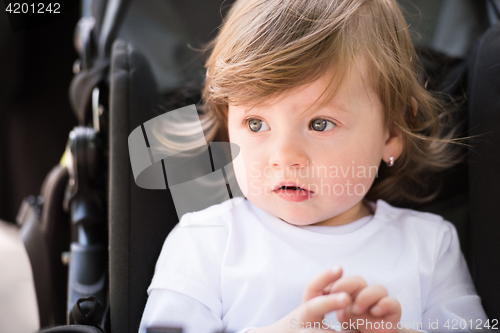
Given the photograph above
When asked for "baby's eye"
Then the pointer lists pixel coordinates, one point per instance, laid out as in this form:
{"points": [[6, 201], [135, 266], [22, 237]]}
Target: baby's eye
{"points": [[322, 125], [318, 124], [256, 124]]}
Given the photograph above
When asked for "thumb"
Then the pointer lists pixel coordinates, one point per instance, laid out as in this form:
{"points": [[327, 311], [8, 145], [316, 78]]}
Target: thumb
{"points": [[317, 285]]}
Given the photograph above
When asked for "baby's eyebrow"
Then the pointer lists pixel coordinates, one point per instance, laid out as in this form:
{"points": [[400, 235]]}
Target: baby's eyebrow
{"points": [[337, 107], [330, 105], [248, 110], [335, 104]]}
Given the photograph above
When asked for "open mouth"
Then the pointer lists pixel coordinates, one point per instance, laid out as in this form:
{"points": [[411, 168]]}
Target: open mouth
{"points": [[293, 193], [295, 188], [292, 188]]}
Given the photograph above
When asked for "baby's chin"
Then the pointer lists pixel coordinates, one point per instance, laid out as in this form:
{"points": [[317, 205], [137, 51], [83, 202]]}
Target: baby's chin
{"points": [[281, 213], [301, 222], [296, 223], [297, 217], [313, 213]]}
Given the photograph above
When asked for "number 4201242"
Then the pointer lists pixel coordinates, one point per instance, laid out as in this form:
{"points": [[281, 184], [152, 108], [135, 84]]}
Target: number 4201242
{"points": [[33, 8], [477, 325]]}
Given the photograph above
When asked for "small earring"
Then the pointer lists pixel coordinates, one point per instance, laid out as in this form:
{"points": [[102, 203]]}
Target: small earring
{"points": [[391, 161]]}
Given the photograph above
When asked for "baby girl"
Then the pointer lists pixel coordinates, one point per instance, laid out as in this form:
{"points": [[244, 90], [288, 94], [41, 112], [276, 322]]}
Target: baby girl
{"points": [[319, 96]]}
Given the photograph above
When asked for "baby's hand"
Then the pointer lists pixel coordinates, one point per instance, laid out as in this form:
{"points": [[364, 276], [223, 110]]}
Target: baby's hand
{"points": [[318, 287], [321, 283], [371, 308], [308, 314], [316, 302]]}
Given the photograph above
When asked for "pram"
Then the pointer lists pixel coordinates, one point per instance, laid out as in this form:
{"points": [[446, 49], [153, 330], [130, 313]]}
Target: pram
{"points": [[118, 228]]}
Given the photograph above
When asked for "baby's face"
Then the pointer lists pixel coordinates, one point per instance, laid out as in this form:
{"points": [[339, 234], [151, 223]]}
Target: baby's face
{"points": [[333, 152]]}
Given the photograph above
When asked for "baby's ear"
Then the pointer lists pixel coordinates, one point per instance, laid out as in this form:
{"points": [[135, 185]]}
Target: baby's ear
{"points": [[393, 144]]}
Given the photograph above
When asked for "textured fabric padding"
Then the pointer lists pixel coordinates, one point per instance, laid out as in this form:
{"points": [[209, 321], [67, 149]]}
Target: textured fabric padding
{"points": [[484, 176], [139, 219]]}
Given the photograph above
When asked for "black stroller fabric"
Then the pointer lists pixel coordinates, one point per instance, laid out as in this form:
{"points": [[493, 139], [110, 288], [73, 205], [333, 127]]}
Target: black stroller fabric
{"points": [[484, 176], [138, 218]]}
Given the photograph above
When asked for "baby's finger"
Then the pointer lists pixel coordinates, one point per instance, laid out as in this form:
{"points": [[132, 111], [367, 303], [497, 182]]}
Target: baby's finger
{"points": [[366, 298], [386, 306], [321, 305], [315, 287], [351, 285]]}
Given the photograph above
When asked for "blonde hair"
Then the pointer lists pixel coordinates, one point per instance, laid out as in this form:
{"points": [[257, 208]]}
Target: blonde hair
{"points": [[267, 47]]}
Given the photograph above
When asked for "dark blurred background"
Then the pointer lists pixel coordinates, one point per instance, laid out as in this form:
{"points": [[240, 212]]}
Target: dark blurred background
{"points": [[35, 74], [35, 115]]}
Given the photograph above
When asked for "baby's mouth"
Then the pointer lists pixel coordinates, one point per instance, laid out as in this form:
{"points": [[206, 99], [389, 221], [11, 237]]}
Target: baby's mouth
{"points": [[292, 189], [295, 188], [292, 193]]}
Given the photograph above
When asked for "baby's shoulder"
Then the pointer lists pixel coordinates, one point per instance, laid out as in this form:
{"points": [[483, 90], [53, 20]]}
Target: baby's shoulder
{"points": [[216, 215], [424, 223], [427, 233]]}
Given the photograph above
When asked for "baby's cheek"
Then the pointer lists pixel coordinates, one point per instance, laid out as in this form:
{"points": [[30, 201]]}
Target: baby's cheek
{"points": [[363, 178], [352, 181], [240, 172]]}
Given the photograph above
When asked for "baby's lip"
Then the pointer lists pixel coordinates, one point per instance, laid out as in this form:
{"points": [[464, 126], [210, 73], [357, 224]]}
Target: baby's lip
{"points": [[279, 185]]}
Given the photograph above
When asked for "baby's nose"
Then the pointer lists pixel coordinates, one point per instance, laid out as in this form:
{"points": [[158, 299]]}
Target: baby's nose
{"points": [[287, 154]]}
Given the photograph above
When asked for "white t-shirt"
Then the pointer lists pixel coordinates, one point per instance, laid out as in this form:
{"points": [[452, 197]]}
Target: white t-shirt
{"points": [[233, 267]]}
